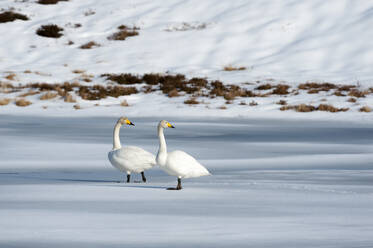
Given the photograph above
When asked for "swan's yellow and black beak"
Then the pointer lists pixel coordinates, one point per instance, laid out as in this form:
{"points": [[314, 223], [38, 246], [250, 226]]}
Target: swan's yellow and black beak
{"points": [[169, 125], [128, 122]]}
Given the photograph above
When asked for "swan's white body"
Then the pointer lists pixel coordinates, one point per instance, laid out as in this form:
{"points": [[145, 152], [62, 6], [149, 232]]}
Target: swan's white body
{"points": [[130, 158], [177, 163]]}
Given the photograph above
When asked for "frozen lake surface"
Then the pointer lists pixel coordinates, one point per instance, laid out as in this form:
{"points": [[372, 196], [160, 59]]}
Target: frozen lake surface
{"points": [[274, 184]]}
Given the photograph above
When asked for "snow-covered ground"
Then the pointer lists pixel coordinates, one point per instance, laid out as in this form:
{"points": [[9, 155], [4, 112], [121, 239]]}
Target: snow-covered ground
{"points": [[294, 41], [275, 183], [280, 178]]}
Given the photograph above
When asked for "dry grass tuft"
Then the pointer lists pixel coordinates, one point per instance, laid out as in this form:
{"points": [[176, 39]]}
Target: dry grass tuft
{"points": [[69, 98], [78, 71], [264, 87], [124, 78], [27, 71], [358, 93], [124, 103], [365, 109], [10, 16], [310, 108], [89, 45], [232, 68], [22, 102], [4, 101], [11, 76], [339, 93], [123, 33], [223, 107], [282, 102], [243, 103], [317, 86], [48, 95], [50, 1], [50, 31], [173, 93], [98, 92], [191, 100], [330, 108], [77, 106], [351, 99], [29, 93], [281, 89]]}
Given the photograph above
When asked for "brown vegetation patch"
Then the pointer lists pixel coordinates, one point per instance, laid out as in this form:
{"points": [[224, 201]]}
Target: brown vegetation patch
{"points": [[282, 102], [29, 93], [233, 68], [48, 95], [77, 106], [89, 45], [281, 89], [50, 31], [124, 103], [11, 76], [10, 16], [173, 93], [191, 100], [358, 93], [4, 101], [123, 33], [50, 1], [22, 102], [318, 86], [69, 98], [339, 93], [98, 92], [365, 109], [123, 78], [264, 87], [310, 108], [330, 108], [351, 99]]}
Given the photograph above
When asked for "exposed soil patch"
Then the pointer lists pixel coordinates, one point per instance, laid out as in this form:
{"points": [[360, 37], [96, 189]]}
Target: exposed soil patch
{"points": [[10, 16], [50, 31], [124, 32], [46, 2]]}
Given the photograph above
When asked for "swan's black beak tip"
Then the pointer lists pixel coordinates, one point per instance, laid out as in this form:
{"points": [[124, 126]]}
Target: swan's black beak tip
{"points": [[132, 124], [172, 126]]}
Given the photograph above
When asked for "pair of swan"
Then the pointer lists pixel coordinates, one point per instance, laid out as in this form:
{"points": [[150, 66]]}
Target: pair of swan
{"points": [[135, 159]]}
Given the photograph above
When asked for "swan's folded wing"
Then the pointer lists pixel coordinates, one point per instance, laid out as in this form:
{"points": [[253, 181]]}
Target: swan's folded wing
{"points": [[136, 156], [185, 165]]}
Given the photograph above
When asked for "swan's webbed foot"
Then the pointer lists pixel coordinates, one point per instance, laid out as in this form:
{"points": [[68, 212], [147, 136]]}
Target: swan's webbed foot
{"points": [[143, 177], [178, 187], [128, 178]]}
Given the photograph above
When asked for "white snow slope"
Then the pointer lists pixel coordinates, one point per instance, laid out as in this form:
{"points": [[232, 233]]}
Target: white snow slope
{"points": [[274, 184], [289, 40]]}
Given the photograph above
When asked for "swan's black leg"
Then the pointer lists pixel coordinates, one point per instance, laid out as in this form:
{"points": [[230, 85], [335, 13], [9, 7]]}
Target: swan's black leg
{"points": [[128, 178], [143, 177], [178, 187]]}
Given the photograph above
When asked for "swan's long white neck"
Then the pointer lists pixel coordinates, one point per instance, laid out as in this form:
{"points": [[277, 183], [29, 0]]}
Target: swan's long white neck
{"points": [[116, 140], [162, 152]]}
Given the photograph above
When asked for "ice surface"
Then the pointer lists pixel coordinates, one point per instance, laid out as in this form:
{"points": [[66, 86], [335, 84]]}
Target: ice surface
{"points": [[275, 184]]}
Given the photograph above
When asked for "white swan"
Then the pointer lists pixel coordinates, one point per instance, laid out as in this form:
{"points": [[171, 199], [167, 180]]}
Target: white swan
{"points": [[177, 163], [130, 158]]}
